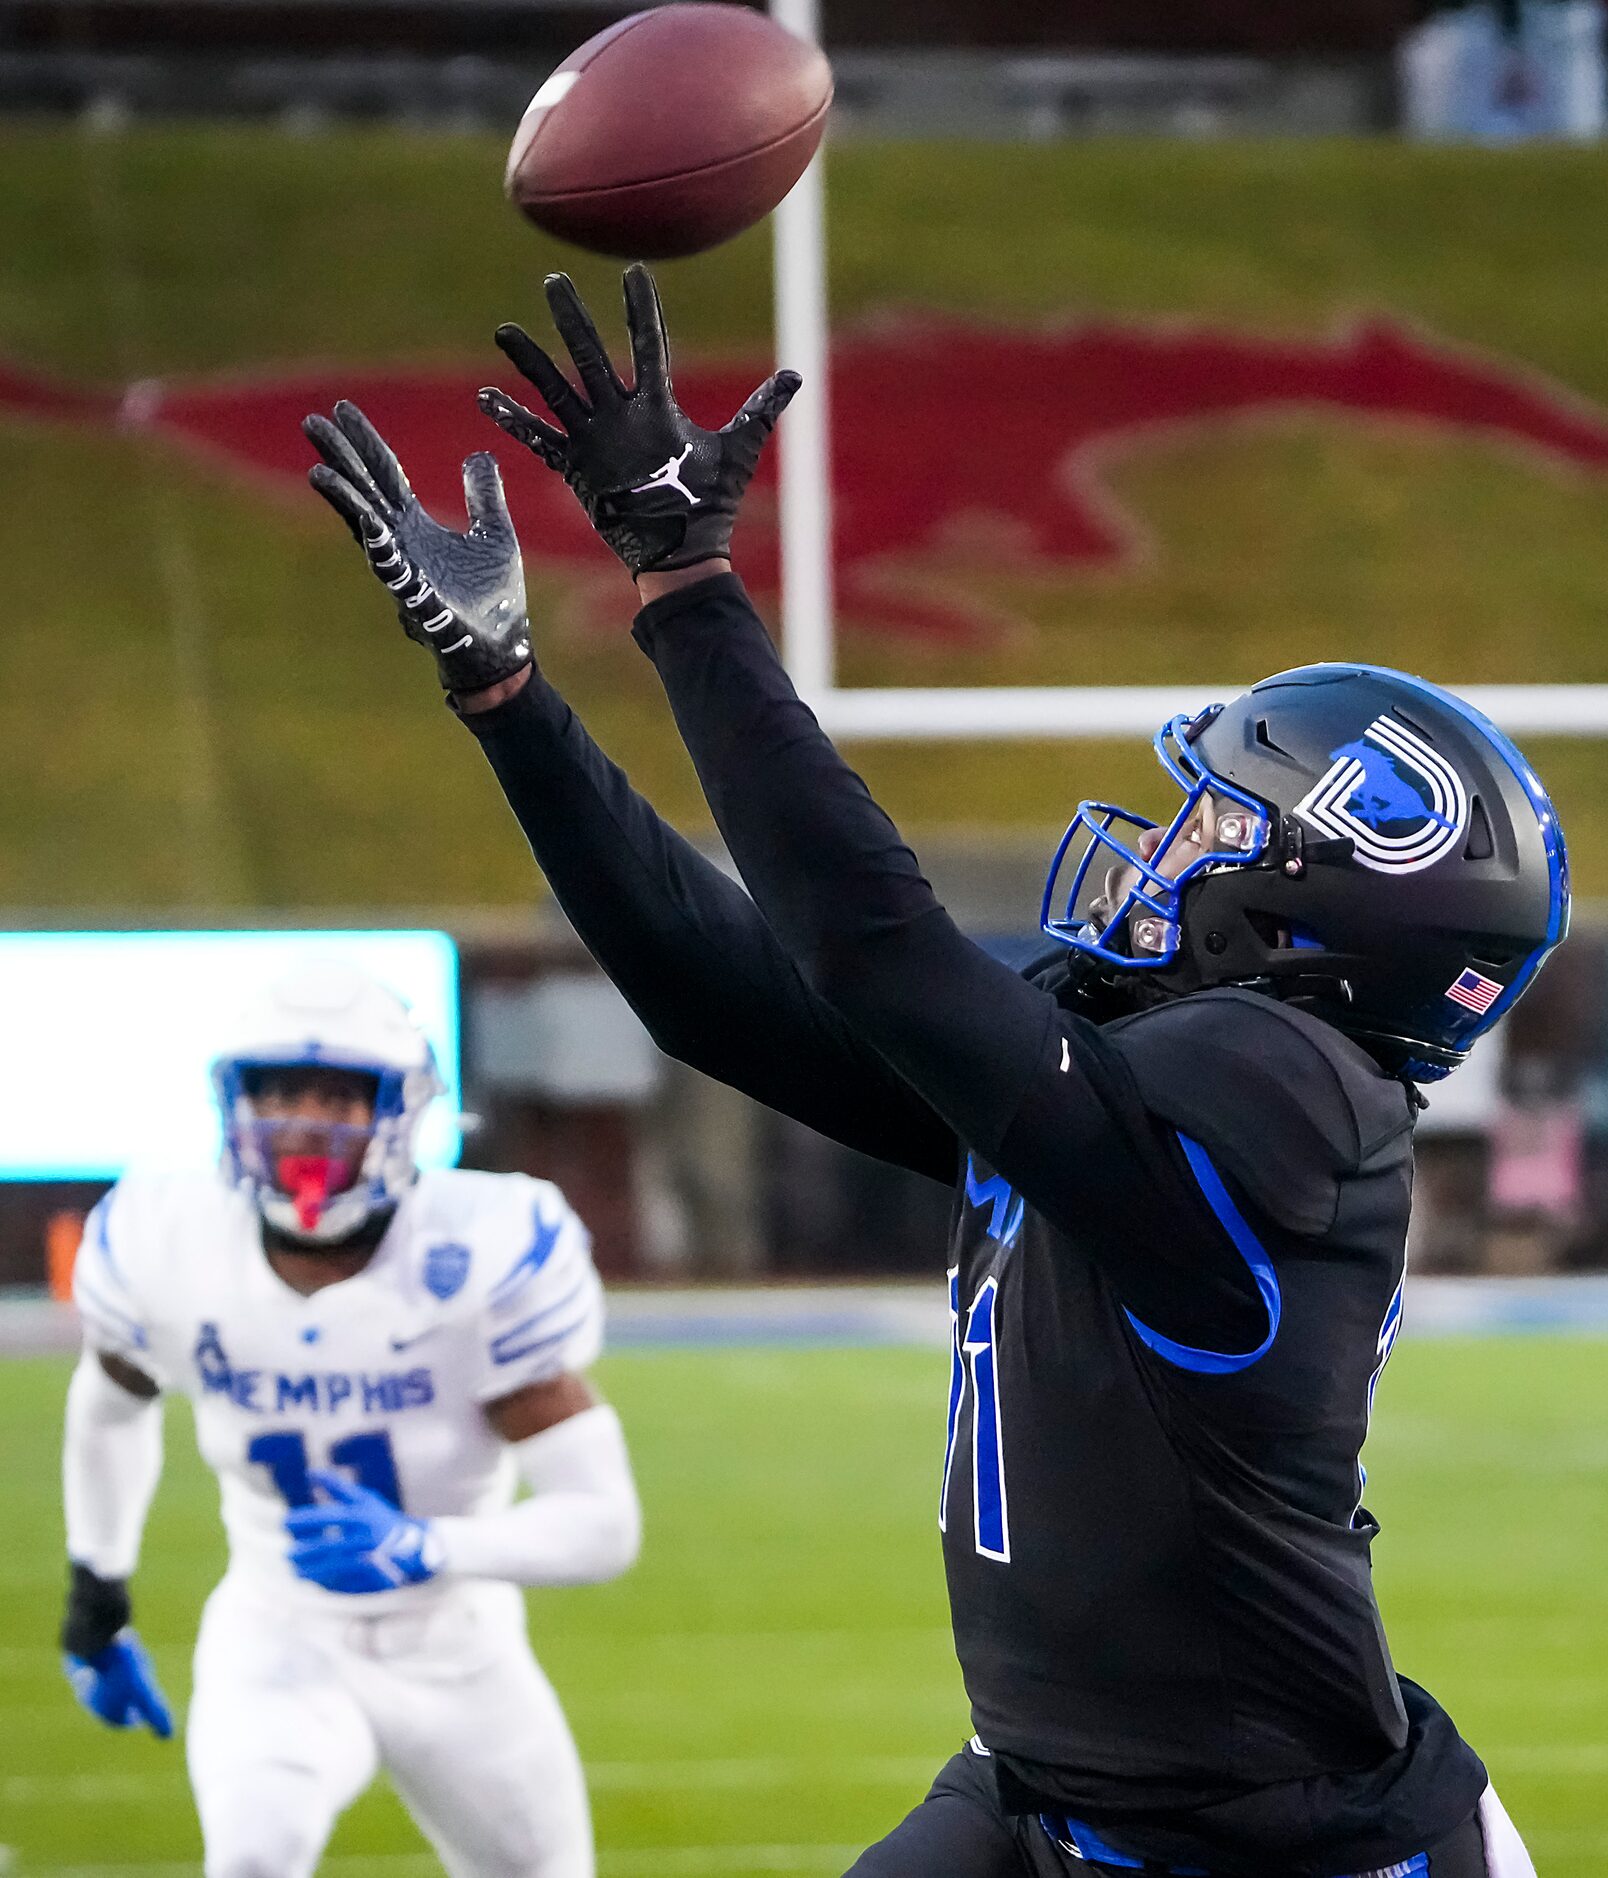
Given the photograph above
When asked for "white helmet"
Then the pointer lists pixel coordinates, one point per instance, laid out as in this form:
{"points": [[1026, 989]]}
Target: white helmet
{"points": [[327, 1013]]}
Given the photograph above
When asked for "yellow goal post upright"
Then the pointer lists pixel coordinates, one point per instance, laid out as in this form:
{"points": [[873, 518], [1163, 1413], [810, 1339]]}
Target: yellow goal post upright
{"points": [[986, 711]]}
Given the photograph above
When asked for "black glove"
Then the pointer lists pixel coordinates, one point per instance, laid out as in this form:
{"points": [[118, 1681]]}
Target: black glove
{"points": [[463, 596], [661, 492], [97, 1608]]}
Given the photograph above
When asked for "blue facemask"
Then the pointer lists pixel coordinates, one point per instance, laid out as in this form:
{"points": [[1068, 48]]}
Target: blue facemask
{"points": [[1141, 931]]}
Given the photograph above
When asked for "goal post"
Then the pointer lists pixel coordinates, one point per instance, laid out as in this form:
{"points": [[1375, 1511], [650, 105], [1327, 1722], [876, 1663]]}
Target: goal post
{"points": [[994, 712], [805, 498], [971, 712]]}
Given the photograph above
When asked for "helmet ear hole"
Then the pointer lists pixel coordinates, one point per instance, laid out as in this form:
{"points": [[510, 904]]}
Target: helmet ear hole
{"points": [[1481, 843], [1265, 738]]}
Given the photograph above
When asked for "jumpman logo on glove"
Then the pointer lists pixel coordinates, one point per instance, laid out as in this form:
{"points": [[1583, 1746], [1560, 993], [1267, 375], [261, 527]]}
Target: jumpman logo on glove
{"points": [[609, 435], [669, 477]]}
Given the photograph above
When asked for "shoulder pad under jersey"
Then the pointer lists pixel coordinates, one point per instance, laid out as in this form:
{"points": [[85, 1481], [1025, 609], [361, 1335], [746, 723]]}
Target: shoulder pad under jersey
{"points": [[1285, 1104]]}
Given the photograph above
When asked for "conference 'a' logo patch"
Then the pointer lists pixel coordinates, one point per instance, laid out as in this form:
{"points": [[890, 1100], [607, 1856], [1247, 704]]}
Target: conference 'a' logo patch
{"points": [[1399, 802]]}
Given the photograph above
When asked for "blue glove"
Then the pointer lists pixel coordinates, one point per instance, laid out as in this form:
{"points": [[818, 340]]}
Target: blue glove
{"points": [[118, 1683], [356, 1541]]}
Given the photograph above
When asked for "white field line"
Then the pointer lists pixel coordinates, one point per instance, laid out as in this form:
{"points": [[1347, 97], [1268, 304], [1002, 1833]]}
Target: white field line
{"points": [[92, 1789], [392, 1865], [45, 1658], [670, 1861], [602, 1777], [1561, 1760], [1564, 1759], [758, 1771], [649, 1861], [1580, 1688], [1569, 1840], [682, 1861], [706, 1640]]}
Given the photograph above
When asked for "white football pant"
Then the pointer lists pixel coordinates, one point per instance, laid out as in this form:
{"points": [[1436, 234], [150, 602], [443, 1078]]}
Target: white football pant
{"points": [[293, 1713], [1505, 1856]]}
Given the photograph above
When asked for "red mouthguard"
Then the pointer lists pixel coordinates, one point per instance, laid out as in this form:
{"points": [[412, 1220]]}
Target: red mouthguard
{"points": [[309, 1179]]}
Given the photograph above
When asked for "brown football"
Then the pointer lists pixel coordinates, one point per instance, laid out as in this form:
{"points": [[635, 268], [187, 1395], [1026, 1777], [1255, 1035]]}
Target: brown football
{"points": [[671, 131]]}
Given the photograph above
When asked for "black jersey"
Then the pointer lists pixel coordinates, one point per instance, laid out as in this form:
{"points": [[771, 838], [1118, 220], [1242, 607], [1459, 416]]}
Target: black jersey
{"points": [[1156, 1549], [1176, 1270]]}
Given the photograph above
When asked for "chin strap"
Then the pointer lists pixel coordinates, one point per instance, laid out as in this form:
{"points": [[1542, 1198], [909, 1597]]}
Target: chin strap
{"points": [[1079, 985], [363, 1238]]}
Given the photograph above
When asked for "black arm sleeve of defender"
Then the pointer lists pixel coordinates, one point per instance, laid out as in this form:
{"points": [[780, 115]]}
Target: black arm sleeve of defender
{"points": [[688, 949], [97, 1608], [1039, 1093]]}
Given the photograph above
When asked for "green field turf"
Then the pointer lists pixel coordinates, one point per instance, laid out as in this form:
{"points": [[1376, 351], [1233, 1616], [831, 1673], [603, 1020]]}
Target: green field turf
{"points": [[210, 709], [772, 1686]]}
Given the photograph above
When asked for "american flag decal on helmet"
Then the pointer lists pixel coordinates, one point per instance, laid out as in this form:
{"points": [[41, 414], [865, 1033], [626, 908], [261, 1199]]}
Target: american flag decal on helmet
{"points": [[1473, 992]]}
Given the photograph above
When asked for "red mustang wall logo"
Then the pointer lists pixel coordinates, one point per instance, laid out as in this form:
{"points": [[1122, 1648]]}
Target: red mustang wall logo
{"points": [[1002, 470]]}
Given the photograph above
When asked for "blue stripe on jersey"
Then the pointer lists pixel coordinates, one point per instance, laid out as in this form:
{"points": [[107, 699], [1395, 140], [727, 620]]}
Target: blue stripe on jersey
{"points": [[118, 1319], [530, 1261], [1250, 1248], [1084, 1842], [548, 1310], [103, 1244], [501, 1354], [500, 1347]]}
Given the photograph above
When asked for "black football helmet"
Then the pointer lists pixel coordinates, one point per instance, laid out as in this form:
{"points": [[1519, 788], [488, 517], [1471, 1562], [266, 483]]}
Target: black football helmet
{"points": [[1350, 838]]}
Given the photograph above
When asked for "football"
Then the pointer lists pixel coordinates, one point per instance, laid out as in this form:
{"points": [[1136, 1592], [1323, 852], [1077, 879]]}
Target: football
{"points": [[670, 132]]}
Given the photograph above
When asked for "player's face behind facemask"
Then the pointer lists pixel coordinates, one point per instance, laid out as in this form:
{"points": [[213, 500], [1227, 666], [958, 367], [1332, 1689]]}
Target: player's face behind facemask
{"points": [[312, 1125], [1118, 878], [321, 1086], [1214, 829]]}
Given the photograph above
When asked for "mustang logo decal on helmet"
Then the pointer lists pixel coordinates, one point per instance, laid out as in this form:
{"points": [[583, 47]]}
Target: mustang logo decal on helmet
{"points": [[1399, 802]]}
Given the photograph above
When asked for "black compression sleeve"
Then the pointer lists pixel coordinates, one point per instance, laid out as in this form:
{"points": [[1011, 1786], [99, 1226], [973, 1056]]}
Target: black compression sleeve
{"points": [[831, 875], [97, 1608], [686, 946], [1037, 1092]]}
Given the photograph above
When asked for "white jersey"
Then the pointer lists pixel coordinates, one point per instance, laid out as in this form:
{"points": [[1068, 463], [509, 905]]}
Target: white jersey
{"points": [[482, 1285]]}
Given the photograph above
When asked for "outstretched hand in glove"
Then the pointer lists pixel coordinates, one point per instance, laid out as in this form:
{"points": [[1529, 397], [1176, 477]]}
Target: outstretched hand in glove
{"points": [[460, 594], [663, 493]]}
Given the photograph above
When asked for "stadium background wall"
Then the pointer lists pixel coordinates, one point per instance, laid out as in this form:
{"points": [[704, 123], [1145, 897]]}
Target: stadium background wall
{"points": [[249, 733], [682, 1180], [1268, 403], [1312, 29]]}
